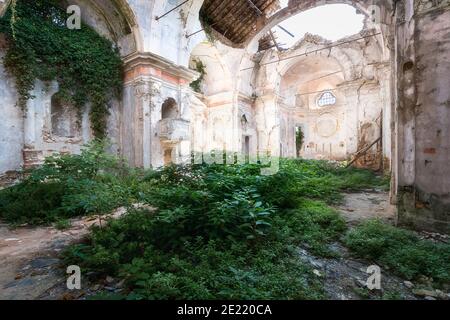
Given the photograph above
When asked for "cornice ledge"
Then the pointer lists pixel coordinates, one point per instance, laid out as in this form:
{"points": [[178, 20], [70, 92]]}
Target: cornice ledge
{"points": [[150, 59]]}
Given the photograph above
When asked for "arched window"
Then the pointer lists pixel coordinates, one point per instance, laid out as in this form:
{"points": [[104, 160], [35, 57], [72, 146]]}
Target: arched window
{"points": [[169, 109], [326, 99]]}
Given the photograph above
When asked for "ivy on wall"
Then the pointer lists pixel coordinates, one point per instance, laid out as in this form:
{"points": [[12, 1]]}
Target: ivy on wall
{"points": [[207, 23], [200, 68], [86, 66]]}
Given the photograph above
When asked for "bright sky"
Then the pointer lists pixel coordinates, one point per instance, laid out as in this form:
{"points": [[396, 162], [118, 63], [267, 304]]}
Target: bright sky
{"points": [[332, 22]]}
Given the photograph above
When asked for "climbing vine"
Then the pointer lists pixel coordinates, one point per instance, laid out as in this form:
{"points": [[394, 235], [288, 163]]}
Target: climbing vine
{"points": [[200, 68], [206, 22], [86, 66]]}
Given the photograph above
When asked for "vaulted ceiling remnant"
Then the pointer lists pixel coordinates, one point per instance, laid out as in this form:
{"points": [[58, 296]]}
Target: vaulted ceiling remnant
{"points": [[237, 20]]}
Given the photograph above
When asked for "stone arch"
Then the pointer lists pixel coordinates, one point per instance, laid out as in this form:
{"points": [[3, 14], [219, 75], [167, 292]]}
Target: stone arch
{"points": [[384, 26], [192, 25], [337, 54], [298, 6], [345, 68], [217, 78], [269, 77], [113, 19], [169, 109]]}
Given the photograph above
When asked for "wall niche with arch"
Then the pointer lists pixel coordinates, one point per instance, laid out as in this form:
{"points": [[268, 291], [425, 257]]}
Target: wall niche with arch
{"points": [[169, 109]]}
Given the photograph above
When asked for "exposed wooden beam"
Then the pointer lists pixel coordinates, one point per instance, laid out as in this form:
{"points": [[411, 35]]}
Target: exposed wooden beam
{"points": [[274, 40], [362, 152], [250, 2]]}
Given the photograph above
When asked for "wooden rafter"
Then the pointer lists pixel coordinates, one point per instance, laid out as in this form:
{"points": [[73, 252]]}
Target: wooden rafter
{"points": [[236, 19]]}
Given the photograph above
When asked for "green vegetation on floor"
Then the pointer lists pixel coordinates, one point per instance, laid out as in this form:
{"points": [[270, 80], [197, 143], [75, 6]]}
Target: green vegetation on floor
{"points": [[69, 186], [223, 231], [217, 231], [400, 250], [220, 231]]}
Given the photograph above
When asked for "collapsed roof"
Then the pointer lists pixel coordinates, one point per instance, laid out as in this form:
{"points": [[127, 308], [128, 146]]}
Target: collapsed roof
{"points": [[237, 20]]}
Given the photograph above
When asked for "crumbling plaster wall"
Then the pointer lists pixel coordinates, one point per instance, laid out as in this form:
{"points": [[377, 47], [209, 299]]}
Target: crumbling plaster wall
{"points": [[168, 36], [39, 140], [243, 64], [423, 114], [324, 127], [226, 98], [11, 123], [112, 20], [379, 19]]}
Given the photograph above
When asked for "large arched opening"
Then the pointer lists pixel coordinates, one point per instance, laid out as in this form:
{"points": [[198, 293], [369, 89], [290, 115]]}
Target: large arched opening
{"points": [[361, 60], [337, 94]]}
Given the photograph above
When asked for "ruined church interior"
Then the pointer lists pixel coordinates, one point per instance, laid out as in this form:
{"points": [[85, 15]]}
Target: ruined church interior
{"points": [[198, 129]]}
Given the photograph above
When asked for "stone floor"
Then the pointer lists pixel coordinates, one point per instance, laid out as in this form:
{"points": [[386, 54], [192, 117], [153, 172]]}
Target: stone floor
{"points": [[365, 205], [30, 265], [344, 277]]}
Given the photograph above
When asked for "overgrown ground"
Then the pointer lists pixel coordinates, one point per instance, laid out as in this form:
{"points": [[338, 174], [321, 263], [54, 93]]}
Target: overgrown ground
{"points": [[218, 231]]}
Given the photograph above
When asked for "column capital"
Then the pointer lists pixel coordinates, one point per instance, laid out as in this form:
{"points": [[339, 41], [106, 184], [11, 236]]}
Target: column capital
{"points": [[146, 88]]}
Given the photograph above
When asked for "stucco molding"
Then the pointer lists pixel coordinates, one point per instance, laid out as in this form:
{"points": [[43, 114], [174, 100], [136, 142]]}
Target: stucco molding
{"points": [[158, 66], [146, 89]]}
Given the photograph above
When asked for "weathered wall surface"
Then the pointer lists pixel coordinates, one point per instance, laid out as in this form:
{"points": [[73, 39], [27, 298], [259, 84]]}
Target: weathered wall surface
{"points": [[424, 116], [167, 36], [11, 123]]}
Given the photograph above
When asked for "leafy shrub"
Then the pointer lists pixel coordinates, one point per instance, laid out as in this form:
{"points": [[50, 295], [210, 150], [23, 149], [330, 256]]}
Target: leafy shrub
{"points": [[68, 186], [63, 224], [220, 232], [401, 250], [31, 203], [198, 270], [314, 224]]}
